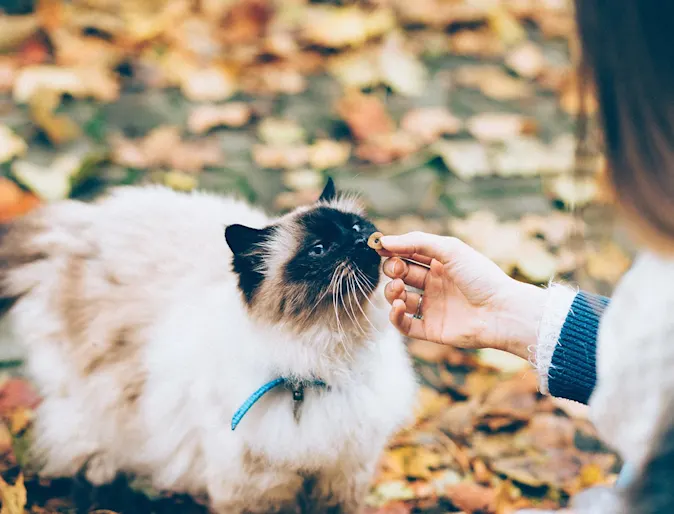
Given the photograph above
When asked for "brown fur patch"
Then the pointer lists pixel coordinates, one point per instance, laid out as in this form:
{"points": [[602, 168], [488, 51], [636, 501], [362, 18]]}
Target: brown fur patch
{"points": [[16, 250]]}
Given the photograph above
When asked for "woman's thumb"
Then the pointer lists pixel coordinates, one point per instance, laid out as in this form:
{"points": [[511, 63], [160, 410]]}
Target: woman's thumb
{"points": [[443, 249]]}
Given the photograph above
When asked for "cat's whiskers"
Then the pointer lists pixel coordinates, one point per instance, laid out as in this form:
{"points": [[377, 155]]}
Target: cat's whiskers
{"points": [[341, 296], [366, 285], [351, 290], [360, 287], [340, 330]]}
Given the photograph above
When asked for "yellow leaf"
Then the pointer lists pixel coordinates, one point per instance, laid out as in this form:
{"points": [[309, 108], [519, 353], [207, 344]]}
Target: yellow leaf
{"points": [[19, 419], [180, 181], [508, 28], [430, 402], [13, 496]]}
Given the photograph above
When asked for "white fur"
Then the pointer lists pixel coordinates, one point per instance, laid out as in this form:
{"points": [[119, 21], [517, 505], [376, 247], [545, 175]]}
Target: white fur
{"points": [[202, 358]]}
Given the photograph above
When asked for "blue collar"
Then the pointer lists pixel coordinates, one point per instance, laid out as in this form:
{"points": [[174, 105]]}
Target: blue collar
{"points": [[297, 388]]}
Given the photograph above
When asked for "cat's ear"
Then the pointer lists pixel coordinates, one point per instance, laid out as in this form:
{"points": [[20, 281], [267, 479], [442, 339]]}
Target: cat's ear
{"points": [[242, 239], [329, 191]]}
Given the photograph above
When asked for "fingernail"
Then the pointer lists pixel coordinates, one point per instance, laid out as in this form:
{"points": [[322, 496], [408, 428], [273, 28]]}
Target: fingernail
{"points": [[398, 268]]}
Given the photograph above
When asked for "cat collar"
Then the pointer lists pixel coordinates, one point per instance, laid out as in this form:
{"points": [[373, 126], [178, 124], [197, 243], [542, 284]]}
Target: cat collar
{"points": [[297, 388]]}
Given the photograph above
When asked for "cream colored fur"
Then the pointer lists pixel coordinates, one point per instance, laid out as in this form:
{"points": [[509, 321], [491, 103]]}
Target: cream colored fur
{"points": [[142, 347]]}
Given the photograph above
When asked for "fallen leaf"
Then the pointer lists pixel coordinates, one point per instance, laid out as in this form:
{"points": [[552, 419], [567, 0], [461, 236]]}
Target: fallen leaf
{"points": [[325, 153], [163, 147], [466, 159], [208, 84], [386, 148], [281, 156], [180, 181], [280, 132], [489, 126], [79, 83], [288, 200], [11, 145], [303, 179], [536, 262], [502, 361], [574, 192], [350, 26], [14, 30], [357, 69], [13, 496], [400, 69], [430, 402], [58, 127], [365, 115], [19, 419], [203, 118], [608, 263], [477, 43], [471, 497], [527, 60], [493, 82], [429, 123]]}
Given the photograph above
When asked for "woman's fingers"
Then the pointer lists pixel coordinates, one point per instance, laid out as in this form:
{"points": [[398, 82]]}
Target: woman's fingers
{"points": [[395, 290], [412, 274], [407, 325]]}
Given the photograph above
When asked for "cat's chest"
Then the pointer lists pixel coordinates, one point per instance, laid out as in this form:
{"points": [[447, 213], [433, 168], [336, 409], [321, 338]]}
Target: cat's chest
{"points": [[313, 429]]}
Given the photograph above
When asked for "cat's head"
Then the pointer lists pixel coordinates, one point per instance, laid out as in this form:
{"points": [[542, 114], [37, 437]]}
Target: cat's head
{"points": [[312, 266]]}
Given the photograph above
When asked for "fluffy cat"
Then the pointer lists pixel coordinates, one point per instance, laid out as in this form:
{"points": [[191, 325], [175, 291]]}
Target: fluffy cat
{"points": [[145, 330]]}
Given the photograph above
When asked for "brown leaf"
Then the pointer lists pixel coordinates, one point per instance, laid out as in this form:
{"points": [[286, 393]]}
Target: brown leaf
{"points": [[205, 117], [471, 497], [365, 115], [550, 431], [163, 147], [281, 156], [493, 82], [499, 126], [386, 148], [477, 43], [245, 21]]}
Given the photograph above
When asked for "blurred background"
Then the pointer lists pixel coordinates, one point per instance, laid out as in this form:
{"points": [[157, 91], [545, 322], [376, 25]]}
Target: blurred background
{"points": [[450, 116]]}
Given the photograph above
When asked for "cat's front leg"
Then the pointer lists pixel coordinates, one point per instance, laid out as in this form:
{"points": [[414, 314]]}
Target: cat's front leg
{"points": [[339, 491]]}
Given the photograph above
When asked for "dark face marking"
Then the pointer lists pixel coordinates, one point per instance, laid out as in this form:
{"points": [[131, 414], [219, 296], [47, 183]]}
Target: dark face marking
{"points": [[332, 238], [246, 245]]}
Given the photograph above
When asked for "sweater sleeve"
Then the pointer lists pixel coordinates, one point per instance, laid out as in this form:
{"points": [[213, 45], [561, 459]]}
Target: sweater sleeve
{"points": [[565, 355]]}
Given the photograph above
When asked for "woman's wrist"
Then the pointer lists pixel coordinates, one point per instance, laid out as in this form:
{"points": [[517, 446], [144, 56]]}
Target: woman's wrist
{"points": [[519, 317]]}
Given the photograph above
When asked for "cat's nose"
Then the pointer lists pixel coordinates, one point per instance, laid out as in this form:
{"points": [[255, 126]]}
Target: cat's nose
{"points": [[361, 240]]}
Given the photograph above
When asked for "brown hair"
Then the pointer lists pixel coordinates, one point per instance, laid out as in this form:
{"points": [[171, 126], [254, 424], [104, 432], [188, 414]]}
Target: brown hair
{"points": [[628, 46]]}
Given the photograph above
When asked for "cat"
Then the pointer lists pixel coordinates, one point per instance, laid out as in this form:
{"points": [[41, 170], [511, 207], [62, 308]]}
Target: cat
{"points": [[146, 330]]}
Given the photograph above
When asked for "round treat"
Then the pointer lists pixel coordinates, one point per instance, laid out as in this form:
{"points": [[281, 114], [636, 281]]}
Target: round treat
{"points": [[374, 241]]}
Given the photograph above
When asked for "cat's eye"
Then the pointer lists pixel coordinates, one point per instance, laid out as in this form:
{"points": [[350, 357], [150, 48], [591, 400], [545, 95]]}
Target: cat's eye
{"points": [[317, 250], [357, 227]]}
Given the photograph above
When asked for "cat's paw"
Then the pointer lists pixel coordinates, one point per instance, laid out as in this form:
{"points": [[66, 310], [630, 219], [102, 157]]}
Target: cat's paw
{"points": [[101, 469]]}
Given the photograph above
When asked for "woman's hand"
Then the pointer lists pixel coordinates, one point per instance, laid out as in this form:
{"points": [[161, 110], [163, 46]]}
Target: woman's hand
{"points": [[468, 301]]}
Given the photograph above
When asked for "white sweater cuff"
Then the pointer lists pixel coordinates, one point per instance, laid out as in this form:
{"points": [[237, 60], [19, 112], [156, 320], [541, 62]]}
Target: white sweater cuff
{"points": [[557, 306]]}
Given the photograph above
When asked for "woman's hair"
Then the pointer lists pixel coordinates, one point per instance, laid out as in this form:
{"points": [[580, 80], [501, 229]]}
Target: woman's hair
{"points": [[628, 46]]}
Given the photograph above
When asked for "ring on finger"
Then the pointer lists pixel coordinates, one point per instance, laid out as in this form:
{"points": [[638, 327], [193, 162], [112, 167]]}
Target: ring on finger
{"points": [[417, 315]]}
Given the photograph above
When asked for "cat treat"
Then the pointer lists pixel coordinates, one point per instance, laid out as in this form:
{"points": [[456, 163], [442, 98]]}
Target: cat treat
{"points": [[374, 241]]}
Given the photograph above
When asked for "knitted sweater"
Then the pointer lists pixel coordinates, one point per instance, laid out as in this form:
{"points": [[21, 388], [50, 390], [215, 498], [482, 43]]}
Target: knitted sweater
{"points": [[624, 365]]}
